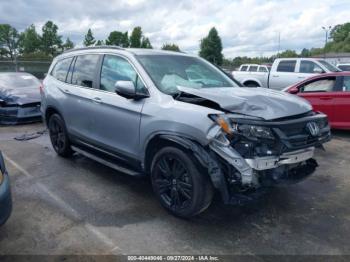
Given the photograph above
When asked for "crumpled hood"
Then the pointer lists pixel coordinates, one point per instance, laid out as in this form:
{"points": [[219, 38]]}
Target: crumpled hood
{"points": [[260, 102], [20, 96]]}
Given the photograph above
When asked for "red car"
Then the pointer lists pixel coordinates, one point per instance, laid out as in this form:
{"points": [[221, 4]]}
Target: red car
{"points": [[328, 93]]}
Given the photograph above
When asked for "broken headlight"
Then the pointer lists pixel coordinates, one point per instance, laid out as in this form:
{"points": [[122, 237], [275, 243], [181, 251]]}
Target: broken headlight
{"points": [[254, 131], [250, 131]]}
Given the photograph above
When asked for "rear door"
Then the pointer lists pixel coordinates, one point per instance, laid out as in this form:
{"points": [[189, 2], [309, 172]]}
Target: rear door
{"points": [[284, 75], [320, 93], [79, 105], [118, 118], [341, 100]]}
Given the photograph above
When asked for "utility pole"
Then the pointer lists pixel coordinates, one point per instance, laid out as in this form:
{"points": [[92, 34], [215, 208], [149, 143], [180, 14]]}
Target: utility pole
{"points": [[326, 29], [279, 44]]}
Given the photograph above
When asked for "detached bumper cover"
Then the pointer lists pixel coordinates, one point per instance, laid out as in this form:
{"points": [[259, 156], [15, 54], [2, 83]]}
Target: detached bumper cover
{"points": [[20, 114], [5, 195]]}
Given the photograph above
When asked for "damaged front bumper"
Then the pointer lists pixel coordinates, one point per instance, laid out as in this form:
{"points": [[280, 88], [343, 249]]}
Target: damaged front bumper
{"points": [[250, 167], [17, 114]]}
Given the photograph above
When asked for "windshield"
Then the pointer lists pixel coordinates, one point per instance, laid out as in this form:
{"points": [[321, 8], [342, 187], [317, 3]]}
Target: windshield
{"points": [[330, 67], [170, 71]]}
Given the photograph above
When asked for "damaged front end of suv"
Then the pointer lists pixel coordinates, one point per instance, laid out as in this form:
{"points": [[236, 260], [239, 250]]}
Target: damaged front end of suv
{"points": [[255, 154], [261, 139]]}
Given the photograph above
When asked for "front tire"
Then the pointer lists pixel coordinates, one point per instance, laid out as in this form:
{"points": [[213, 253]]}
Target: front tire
{"points": [[59, 136], [178, 183]]}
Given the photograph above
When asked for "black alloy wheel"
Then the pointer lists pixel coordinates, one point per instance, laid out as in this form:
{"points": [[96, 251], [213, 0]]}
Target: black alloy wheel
{"points": [[58, 136], [179, 185]]}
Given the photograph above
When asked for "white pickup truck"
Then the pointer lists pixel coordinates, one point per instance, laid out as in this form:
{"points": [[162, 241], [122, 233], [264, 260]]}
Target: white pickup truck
{"points": [[284, 72]]}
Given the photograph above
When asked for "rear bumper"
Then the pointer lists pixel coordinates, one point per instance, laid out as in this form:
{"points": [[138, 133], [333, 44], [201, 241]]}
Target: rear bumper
{"points": [[5, 200], [20, 114]]}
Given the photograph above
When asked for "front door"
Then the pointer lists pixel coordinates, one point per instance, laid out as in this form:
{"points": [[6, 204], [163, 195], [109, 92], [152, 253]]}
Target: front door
{"points": [[117, 123]]}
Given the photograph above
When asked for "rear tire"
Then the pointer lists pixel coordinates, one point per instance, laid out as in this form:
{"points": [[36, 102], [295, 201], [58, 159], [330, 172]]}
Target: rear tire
{"points": [[59, 136], [179, 184]]}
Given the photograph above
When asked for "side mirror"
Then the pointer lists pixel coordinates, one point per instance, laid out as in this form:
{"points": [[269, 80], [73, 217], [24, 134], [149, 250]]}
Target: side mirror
{"points": [[293, 90], [127, 89]]}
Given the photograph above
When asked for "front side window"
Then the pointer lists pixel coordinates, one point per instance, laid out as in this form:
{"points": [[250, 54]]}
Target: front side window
{"points": [[262, 69], [322, 85], [170, 71], [115, 68], [346, 84], [253, 68], [286, 66], [309, 67], [84, 70], [61, 69]]}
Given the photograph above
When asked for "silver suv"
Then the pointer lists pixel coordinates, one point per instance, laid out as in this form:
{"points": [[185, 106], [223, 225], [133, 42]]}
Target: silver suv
{"points": [[180, 120]]}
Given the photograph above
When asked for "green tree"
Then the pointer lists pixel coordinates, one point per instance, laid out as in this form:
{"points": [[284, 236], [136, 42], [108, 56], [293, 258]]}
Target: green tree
{"points": [[305, 52], [118, 38], [171, 47], [99, 43], [89, 39], [288, 53], [29, 41], [9, 41], [136, 37], [145, 43], [68, 44], [51, 42], [211, 47]]}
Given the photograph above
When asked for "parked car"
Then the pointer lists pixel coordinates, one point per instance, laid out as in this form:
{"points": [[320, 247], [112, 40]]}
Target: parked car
{"points": [[285, 72], [19, 98], [144, 112], [5, 193], [328, 93], [344, 66], [251, 75]]}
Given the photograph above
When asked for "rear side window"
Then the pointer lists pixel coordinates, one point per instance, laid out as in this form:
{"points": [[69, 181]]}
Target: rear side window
{"points": [[244, 68], [61, 69], [286, 66], [253, 68], [84, 70]]}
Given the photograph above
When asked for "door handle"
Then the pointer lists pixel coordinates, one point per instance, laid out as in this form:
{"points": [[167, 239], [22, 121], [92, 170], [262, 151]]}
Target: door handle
{"points": [[96, 100], [325, 98]]}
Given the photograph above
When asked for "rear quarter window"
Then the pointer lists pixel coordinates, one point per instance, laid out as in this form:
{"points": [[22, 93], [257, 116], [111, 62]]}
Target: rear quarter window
{"points": [[61, 68], [286, 66]]}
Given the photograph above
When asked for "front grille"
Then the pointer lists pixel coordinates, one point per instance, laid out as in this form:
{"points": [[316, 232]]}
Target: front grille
{"points": [[297, 136]]}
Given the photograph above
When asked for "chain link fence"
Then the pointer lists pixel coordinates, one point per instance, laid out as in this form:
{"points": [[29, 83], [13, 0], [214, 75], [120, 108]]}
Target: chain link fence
{"points": [[36, 68]]}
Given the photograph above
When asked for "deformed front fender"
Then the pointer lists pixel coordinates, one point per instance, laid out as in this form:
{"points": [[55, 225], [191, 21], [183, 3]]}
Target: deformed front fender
{"points": [[206, 159]]}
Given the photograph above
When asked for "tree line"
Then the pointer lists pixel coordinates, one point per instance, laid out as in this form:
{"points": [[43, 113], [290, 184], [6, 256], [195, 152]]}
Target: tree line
{"points": [[48, 43]]}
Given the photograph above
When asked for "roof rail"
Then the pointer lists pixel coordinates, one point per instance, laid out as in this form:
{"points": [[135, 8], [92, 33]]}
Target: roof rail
{"points": [[94, 47]]}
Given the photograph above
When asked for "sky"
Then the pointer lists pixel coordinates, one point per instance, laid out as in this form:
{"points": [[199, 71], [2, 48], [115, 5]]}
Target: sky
{"points": [[246, 27]]}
